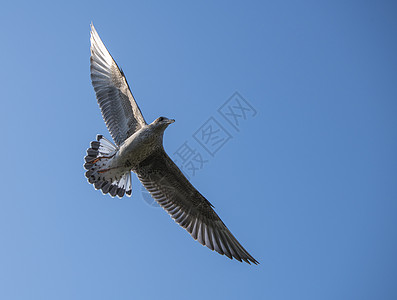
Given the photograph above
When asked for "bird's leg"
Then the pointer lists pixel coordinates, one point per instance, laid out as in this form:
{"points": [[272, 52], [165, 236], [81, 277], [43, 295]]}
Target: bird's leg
{"points": [[105, 170], [99, 158]]}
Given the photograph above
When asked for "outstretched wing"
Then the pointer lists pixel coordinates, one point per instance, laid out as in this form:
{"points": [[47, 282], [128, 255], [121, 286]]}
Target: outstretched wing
{"points": [[119, 109], [171, 189]]}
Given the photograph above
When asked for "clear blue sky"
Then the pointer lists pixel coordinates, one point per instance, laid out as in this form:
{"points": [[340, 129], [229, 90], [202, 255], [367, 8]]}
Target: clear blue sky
{"points": [[308, 184]]}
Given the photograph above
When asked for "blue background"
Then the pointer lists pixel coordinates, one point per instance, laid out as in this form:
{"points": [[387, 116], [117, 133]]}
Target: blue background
{"points": [[308, 185]]}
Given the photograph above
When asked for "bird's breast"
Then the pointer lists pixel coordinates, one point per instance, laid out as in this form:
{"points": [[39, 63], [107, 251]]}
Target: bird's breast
{"points": [[136, 148]]}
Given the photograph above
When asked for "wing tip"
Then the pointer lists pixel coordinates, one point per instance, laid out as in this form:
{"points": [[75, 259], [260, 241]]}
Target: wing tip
{"points": [[92, 28], [248, 259]]}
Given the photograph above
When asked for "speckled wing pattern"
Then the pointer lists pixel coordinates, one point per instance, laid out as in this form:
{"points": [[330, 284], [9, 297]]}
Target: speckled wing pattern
{"points": [[173, 191], [119, 109]]}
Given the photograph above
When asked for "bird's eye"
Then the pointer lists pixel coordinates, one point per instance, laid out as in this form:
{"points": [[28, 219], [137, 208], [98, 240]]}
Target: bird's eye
{"points": [[161, 119]]}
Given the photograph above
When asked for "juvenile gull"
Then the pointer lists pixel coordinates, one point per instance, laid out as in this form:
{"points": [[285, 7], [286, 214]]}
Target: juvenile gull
{"points": [[139, 148]]}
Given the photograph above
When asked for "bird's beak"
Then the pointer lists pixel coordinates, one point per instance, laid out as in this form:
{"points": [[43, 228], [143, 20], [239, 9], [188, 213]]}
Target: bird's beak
{"points": [[171, 121]]}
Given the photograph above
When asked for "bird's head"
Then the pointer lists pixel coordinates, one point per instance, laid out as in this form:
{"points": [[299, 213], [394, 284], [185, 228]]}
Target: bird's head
{"points": [[162, 123]]}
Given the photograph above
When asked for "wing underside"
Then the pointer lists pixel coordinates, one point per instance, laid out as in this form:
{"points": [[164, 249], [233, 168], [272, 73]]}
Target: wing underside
{"points": [[118, 106], [171, 189]]}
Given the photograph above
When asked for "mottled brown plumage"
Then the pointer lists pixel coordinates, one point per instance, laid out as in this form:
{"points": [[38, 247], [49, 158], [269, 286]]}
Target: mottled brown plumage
{"points": [[173, 191]]}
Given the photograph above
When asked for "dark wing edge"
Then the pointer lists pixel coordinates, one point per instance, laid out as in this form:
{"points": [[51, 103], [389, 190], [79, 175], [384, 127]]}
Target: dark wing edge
{"points": [[173, 191], [118, 106]]}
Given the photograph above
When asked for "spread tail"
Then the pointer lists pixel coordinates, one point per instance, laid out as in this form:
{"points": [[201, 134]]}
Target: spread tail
{"points": [[100, 172]]}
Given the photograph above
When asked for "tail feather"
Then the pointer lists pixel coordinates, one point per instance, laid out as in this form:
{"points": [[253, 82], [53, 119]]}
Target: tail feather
{"points": [[101, 174]]}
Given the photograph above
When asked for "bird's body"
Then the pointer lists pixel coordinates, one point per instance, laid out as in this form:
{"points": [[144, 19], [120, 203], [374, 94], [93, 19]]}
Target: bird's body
{"points": [[139, 148]]}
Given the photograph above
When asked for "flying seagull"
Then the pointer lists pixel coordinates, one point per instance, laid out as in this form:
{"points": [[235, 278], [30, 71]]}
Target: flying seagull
{"points": [[139, 148]]}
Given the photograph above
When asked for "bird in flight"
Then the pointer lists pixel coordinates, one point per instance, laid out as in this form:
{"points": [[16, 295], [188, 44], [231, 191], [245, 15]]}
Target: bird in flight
{"points": [[139, 148]]}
